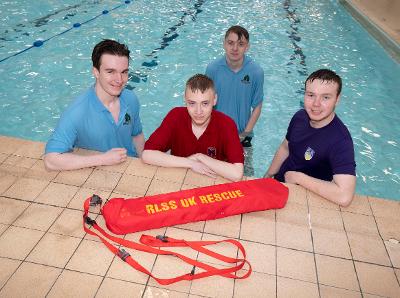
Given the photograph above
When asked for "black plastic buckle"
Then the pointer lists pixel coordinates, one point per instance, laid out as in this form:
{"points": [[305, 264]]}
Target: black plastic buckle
{"points": [[162, 238], [193, 270], [89, 221], [95, 200], [123, 254]]}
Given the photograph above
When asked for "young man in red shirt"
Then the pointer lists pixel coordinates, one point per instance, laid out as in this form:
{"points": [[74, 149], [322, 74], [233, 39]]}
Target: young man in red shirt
{"points": [[198, 137]]}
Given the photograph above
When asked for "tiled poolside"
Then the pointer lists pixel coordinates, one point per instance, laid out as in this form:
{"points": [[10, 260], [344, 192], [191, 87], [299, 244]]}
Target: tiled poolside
{"points": [[311, 248]]}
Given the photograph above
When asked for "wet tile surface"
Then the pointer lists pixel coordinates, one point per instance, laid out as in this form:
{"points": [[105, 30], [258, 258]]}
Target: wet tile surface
{"points": [[310, 248]]}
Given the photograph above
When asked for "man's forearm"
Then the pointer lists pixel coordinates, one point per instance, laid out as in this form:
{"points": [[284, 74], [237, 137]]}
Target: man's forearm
{"points": [[70, 161], [255, 114], [280, 156], [231, 171], [163, 159], [138, 141], [339, 191]]}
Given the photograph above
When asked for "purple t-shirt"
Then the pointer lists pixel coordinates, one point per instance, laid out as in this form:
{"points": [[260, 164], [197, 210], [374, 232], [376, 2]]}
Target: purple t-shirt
{"points": [[318, 152]]}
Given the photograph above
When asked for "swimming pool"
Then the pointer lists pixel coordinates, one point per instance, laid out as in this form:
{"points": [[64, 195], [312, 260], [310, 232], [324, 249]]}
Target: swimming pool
{"points": [[171, 40]]}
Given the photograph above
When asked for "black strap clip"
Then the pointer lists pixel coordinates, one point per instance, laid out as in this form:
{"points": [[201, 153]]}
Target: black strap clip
{"points": [[89, 221], [162, 238], [123, 254], [95, 200], [193, 270]]}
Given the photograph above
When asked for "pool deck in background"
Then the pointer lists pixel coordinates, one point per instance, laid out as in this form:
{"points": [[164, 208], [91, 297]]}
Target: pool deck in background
{"points": [[380, 19], [310, 248]]}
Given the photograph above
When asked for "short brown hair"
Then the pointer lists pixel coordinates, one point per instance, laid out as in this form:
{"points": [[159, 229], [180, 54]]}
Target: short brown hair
{"points": [[108, 46], [200, 82], [239, 31], [326, 75]]}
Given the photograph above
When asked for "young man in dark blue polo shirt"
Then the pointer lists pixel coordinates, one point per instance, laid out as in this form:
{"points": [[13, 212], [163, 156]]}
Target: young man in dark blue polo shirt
{"points": [[318, 151]]}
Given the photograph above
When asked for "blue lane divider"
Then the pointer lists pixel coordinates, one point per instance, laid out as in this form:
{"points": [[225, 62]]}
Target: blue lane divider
{"points": [[39, 42]]}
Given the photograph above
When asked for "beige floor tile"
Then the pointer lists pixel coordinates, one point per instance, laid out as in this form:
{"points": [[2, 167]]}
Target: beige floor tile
{"points": [[368, 249], [30, 280], [318, 201], [10, 209], [393, 248], [297, 194], [3, 228], [377, 280], [75, 177], [170, 267], [162, 187], [3, 156], [265, 223], [227, 226], [171, 174], [138, 168], [38, 171], [84, 193], [221, 180], [330, 292], [9, 145], [323, 240], [38, 217], [6, 169], [262, 257], [75, 284], [256, 285], [91, 257], [293, 236], [360, 224], [188, 186], [116, 194], [290, 288], [31, 149], [102, 180], [293, 213], [118, 168], [214, 286], [6, 181], [69, 223], [57, 194], [20, 161], [133, 184], [152, 292], [197, 226], [118, 288], [296, 264], [8, 267], [54, 250], [388, 228], [385, 208], [199, 180], [360, 205], [26, 189], [17, 242], [336, 272], [326, 219], [123, 271], [223, 248], [397, 271]]}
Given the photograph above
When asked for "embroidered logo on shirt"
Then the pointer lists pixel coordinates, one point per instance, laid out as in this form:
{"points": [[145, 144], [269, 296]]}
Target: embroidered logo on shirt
{"points": [[127, 119], [246, 79], [212, 152], [308, 155]]}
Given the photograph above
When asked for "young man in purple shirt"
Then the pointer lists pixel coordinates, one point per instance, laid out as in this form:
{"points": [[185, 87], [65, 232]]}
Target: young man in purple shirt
{"points": [[318, 151]]}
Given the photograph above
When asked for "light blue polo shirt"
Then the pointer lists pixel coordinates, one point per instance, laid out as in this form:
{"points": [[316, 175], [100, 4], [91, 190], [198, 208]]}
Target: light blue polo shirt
{"points": [[237, 92], [88, 124]]}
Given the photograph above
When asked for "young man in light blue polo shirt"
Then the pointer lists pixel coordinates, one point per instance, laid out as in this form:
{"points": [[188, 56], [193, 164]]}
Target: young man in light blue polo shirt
{"points": [[239, 83], [105, 118]]}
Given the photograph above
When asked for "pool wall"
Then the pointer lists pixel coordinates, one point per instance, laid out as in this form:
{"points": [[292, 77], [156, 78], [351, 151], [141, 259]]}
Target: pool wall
{"points": [[380, 19]]}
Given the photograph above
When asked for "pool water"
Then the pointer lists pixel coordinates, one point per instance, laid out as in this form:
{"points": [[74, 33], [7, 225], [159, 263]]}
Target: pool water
{"points": [[172, 40]]}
